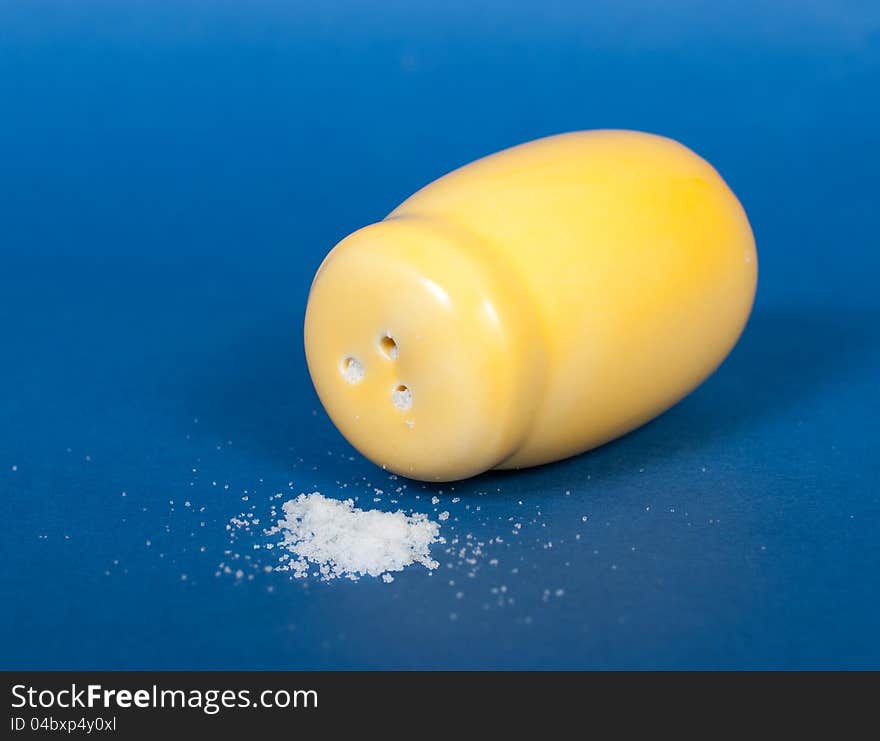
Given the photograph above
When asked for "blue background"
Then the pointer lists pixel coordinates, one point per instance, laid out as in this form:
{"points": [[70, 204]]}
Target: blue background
{"points": [[173, 173]]}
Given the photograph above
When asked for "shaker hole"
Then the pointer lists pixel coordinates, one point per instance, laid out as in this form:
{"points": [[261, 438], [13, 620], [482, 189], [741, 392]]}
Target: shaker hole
{"points": [[401, 397], [352, 370], [389, 347]]}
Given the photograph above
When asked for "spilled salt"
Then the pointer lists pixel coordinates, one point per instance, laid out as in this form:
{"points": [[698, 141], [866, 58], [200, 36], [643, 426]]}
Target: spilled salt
{"points": [[333, 539]]}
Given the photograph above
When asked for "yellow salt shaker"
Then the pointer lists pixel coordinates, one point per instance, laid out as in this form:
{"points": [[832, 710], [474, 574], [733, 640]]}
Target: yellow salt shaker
{"points": [[531, 305]]}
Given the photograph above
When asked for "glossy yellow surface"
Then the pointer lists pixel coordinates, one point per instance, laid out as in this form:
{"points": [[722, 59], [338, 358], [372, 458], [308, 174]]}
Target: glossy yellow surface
{"points": [[531, 305]]}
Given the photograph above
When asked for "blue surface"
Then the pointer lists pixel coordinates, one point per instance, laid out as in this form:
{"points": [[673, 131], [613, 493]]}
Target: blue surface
{"points": [[172, 174]]}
